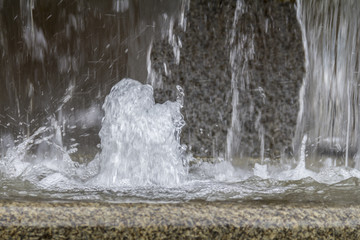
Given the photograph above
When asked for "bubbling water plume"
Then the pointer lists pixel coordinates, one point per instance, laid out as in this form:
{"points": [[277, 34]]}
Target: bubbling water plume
{"points": [[139, 138]]}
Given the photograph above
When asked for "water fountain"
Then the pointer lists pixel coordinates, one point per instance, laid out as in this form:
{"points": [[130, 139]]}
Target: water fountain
{"points": [[228, 129]]}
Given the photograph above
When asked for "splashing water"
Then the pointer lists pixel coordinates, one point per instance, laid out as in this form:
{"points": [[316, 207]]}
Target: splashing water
{"points": [[142, 160], [141, 156], [139, 138]]}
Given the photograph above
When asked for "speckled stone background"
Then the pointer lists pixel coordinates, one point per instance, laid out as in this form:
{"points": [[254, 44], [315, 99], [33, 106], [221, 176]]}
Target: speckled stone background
{"points": [[193, 220], [205, 74]]}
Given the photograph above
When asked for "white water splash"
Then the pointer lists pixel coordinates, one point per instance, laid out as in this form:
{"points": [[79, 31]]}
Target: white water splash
{"points": [[140, 143], [139, 138]]}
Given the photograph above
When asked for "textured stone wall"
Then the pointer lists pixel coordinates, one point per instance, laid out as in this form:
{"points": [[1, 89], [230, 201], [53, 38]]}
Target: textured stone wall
{"points": [[204, 72]]}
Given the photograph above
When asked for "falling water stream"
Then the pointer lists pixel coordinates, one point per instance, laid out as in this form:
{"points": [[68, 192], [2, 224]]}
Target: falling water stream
{"points": [[329, 98], [48, 150]]}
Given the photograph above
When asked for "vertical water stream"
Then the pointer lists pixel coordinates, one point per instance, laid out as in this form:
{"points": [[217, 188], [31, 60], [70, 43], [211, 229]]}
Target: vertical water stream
{"points": [[241, 51], [329, 96]]}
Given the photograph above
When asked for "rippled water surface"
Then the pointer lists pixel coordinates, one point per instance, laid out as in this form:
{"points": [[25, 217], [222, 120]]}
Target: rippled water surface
{"points": [[205, 182]]}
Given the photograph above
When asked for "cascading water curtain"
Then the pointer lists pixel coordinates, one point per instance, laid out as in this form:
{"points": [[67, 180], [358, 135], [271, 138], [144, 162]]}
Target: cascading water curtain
{"points": [[329, 96]]}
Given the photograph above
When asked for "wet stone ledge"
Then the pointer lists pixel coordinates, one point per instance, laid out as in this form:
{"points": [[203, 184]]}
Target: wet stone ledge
{"points": [[200, 220]]}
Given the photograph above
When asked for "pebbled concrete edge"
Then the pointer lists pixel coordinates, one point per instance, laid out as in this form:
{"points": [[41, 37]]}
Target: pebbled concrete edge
{"points": [[74, 220]]}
